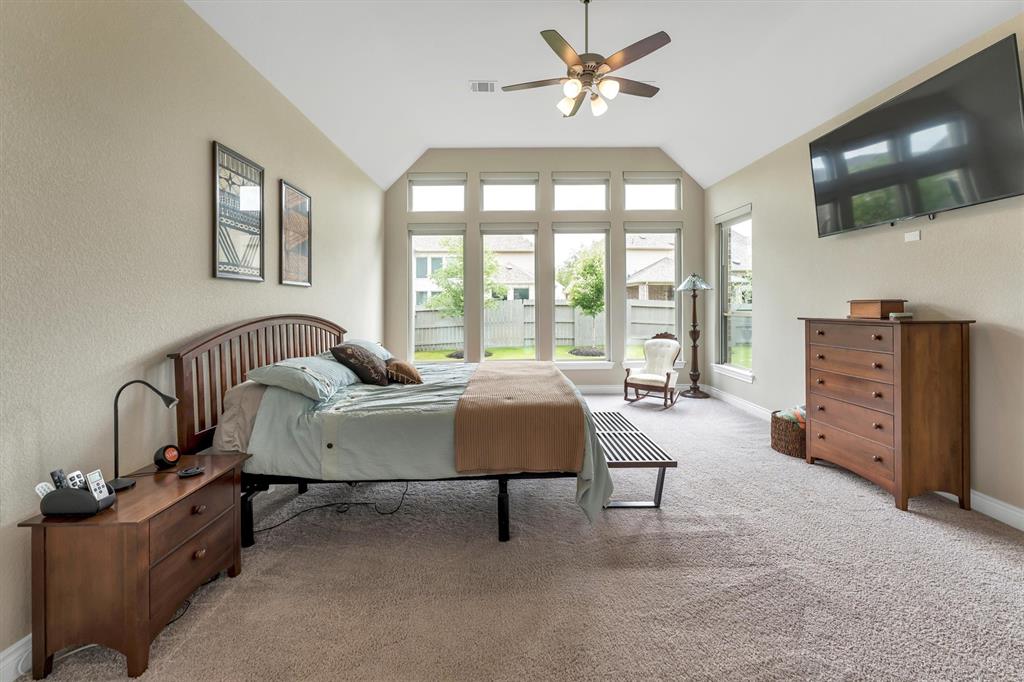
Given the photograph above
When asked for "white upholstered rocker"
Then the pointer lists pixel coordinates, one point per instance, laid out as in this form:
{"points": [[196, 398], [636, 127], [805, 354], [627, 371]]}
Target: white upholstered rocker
{"points": [[658, 375]]}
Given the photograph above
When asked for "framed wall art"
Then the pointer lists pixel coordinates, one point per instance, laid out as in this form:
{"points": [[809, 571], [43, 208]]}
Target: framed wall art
{"points": [[237, 216], [296, 236]]}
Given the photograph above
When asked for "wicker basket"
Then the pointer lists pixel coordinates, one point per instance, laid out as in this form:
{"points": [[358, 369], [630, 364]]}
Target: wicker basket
{"points": [[787, 437]]}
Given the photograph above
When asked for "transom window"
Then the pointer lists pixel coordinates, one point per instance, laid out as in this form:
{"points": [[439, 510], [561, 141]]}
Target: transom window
{"points": [[437, 192], [651, 191], [580, 191], [508, 191]]}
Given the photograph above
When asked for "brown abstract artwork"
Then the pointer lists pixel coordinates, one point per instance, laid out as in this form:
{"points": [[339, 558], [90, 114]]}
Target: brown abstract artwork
{"points": [[296, 236]]}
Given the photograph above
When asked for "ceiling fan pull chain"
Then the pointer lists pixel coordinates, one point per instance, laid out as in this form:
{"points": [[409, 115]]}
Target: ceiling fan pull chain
{"points": [[586, 26]]}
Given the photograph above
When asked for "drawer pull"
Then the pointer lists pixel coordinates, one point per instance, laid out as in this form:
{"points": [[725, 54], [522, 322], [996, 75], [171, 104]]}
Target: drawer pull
{"points": [[820, 332], [199, 509], [821, 436], [199, 553], [876, 337], [876, 365], [821, 408], [876, 425], [877, 458], [876, 394], [821, 381], [820, 356]]}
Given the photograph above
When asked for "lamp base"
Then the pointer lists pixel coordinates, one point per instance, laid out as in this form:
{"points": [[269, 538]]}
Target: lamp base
{"points": [[121, 483], [694, 393]]}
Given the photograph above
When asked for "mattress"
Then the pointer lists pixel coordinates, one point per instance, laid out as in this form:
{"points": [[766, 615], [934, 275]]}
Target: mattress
{"points": [[372, 433]]}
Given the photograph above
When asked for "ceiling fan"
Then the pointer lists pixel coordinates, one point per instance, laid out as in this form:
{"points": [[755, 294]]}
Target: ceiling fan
{"points": [[588, 72]]}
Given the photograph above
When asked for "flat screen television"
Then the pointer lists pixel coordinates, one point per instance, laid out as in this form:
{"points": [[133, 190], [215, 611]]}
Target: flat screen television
{"points": [[955, 140]]}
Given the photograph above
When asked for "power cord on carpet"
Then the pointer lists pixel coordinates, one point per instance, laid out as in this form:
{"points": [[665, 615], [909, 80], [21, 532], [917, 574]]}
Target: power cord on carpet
{"points": [[342, 508]]}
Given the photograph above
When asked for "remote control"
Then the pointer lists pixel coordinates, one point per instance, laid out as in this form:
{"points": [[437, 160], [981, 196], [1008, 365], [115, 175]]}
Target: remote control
{"points": [[44, 489], [76, 479], [97, 485], [190, 472], [58, 478]]}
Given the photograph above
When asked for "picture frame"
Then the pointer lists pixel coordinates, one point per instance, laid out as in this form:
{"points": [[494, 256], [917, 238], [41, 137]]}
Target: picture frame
{"points": [[296, 236], [238, 216]]}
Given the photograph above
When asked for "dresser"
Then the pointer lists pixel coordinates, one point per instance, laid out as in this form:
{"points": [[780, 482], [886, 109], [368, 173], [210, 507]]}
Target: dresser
{"points": [[118, 577], [890, 401]]}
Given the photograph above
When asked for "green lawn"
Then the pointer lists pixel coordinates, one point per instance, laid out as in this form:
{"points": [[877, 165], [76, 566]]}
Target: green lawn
{"points": [[741, 356], [504, 353]]}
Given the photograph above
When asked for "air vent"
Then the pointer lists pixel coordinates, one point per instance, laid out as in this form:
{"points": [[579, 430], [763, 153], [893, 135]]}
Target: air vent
{"points": [[482, 86]]}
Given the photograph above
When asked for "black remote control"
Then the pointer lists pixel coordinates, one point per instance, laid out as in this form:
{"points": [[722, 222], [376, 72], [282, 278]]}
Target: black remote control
{"points": [[59, 478], [190, 472]]}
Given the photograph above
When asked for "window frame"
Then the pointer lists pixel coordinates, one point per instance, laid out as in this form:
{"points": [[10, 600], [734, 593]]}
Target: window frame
{"points": [[489, 229], [435, 180], [432, 230], [724, 224], [674, 228], [593, 227], [509, 179]]}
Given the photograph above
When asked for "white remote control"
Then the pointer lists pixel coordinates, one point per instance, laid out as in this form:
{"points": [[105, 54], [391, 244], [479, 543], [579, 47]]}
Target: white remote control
{"points": [[97, 485], [76, 479], [44, 489]]}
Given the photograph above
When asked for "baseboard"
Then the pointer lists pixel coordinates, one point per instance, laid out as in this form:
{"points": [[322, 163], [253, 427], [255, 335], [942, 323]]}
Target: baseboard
{"points": [[12, 655], [750, 408], [993, 508]]}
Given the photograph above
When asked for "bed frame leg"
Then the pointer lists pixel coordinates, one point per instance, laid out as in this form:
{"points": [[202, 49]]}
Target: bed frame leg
{"points": [[248, 536], [503, 510], [303, 487]]}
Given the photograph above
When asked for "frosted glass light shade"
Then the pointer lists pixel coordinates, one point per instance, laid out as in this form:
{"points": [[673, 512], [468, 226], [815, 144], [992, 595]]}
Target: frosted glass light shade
{"points": [[572, 87], [597, 105], [609, 88], [565, 105]]}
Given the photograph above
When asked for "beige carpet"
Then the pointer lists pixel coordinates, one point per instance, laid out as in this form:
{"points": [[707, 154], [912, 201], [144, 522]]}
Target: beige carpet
{"points": [[758, 567]]}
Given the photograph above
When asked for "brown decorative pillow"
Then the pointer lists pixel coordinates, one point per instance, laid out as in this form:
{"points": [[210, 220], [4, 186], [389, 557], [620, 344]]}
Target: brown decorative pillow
{"points": [[402, 372], [368, 367]]}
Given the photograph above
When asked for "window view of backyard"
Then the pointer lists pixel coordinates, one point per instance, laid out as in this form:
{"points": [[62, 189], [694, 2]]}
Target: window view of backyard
{"points": [[738, 306], [580, 299], [439, 305], [650, 288], [509, 297]]}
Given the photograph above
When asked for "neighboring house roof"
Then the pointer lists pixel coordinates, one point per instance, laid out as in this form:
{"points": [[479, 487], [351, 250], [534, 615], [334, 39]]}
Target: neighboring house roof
{"points": [[661, 271], [507, 242], [512, 274], [655, 240], [428, 244], [739, 253]]}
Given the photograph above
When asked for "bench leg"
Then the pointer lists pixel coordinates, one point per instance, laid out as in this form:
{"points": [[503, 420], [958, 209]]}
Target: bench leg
{"points": [[653, 504], [503, 510], [303, 488]]}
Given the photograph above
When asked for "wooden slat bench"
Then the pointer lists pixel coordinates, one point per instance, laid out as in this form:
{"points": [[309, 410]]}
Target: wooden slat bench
{"points": [[627, 447]]}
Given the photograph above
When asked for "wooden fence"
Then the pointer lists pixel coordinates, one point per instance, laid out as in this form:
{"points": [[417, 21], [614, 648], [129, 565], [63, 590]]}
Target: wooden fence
{"points": [[512, 324]]}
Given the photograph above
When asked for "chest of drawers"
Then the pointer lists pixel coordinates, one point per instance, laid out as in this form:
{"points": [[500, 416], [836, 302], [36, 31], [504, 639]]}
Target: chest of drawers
{"points": [[890, 401], [118, 577]]}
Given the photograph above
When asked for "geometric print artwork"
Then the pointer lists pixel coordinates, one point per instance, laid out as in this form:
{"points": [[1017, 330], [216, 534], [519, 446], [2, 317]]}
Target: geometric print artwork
{"points": [[296, 236], [238, 216]]}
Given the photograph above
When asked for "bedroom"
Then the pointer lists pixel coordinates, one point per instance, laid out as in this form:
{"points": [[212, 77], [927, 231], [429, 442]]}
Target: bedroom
{"points": [[755, 565]]}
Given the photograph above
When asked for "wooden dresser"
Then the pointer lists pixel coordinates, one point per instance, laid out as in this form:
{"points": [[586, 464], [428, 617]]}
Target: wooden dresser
{"points": [[118, 577], [890, 401]]}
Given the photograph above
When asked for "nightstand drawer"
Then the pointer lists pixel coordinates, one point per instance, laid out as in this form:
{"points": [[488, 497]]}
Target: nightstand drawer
{"points": [[176, 524], [189, 566], [859, 363], [859, 336]]}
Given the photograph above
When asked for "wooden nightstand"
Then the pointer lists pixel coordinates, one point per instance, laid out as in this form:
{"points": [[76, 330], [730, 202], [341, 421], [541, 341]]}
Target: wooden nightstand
{"points": [[116, 578]]}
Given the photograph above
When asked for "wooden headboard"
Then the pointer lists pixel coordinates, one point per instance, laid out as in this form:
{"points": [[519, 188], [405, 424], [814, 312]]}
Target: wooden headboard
{"points": [[205, 368]]}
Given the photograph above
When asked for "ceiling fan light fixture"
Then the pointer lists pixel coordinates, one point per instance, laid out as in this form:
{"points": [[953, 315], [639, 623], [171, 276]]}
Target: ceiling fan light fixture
{"points": [[609, 88], [565, 105], [572, 87], [597, 105]]}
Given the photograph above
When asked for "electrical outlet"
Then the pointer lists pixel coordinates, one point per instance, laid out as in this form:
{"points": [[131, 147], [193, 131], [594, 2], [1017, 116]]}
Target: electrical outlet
{"points": [[912, 236]]}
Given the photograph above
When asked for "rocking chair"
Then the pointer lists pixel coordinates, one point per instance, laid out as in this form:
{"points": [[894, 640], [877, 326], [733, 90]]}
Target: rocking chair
{"points": [[657, 376]]}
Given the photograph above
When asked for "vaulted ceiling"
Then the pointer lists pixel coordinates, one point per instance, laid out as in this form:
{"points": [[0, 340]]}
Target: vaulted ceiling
{"points": [[386, 80]]}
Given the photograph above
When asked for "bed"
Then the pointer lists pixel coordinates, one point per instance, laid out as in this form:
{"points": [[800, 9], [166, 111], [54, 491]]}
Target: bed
{"points": [[362, 433]]}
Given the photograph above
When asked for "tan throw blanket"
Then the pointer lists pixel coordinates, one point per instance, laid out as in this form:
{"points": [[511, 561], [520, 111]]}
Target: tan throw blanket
{"points": [[518, 416]]}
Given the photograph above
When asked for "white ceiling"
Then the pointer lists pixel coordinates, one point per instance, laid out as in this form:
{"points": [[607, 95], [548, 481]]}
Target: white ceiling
{"points": [[387, 80]]}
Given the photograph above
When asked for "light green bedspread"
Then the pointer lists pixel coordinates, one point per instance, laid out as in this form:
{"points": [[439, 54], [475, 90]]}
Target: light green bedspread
{"points": [[394, 432]]}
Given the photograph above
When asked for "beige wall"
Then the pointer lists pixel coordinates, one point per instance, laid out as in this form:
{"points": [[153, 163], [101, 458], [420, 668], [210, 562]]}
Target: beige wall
{"points": [[968, 264], [545, 162], [108, 112]]}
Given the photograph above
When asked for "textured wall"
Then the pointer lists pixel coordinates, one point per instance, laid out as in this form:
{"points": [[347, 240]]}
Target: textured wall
{"points": [[545, 162], [108, 111], [969, 264]]}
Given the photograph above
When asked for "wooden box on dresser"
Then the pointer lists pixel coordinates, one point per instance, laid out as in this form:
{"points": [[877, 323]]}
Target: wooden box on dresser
{"points": [[890, 401], [118, 577]]}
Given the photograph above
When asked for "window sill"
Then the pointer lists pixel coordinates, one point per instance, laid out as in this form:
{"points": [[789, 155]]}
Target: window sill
{"points": [[734, 372], [584, 364]]}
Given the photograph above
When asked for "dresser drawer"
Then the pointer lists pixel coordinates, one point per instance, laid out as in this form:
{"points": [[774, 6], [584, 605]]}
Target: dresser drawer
{"points": [[189, 566], [859, 363], [871, 424], [873, 394], [174, 525], [861, 456], [858, 336]]}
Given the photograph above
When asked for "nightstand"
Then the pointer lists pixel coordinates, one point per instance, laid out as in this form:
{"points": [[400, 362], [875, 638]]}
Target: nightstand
{"points": [[118, 577]]}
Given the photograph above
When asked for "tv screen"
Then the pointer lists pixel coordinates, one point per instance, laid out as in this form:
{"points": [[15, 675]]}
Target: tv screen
{"points": [[955, 140]]}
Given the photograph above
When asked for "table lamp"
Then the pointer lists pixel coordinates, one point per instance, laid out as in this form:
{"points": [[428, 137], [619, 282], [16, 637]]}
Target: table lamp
{"points": [[693, 284], [170, 401]]}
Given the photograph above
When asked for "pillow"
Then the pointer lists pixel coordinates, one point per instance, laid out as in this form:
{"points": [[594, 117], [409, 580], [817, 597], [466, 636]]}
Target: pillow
{"points": [[368, 367], [402, 372], [315, 377], [374, 347]]}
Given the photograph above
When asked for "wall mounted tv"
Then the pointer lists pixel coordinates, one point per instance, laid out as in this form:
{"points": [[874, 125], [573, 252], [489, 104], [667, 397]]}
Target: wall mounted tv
{"points": [[955, 140]]}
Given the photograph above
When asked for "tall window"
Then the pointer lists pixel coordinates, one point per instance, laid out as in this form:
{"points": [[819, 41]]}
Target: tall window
{"points": [[581, 299], [510, 301], [438, 303], [508, 191], [651, 191], [580, 191], [652, 275], [437, 192], [737, 291]]}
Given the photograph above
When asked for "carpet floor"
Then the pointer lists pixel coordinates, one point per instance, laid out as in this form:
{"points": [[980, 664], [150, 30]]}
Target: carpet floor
{"points": [[757, 567]]}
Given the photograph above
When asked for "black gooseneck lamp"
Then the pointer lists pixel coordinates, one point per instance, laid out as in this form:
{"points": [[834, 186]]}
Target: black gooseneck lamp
{"points": [[170, 401]]}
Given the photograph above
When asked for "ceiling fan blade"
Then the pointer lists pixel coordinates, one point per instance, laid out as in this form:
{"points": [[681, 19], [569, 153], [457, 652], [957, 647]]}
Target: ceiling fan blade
{"points": [[531, 84], [641, 48], [562, 48], [577, 104], [637, 88]]}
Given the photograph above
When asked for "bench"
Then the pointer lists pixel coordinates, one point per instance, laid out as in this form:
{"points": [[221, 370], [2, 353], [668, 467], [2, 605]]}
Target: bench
{"points": [[627, 447]]}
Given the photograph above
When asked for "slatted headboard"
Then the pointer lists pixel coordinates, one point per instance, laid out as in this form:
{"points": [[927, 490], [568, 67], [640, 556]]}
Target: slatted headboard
{"points": [[206, 368]]}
